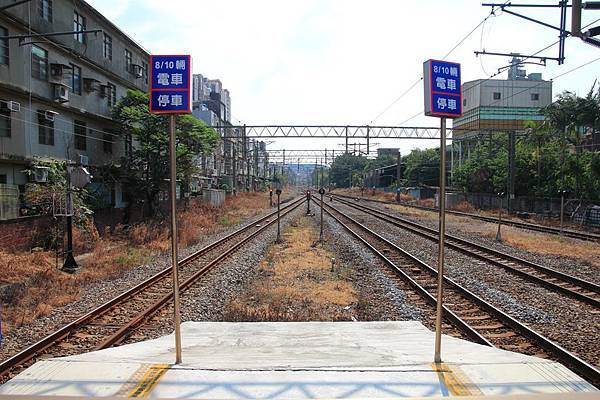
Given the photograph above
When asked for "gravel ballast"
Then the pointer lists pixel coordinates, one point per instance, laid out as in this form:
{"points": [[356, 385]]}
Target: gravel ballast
{"points": [[100, 292], [572, 324]]}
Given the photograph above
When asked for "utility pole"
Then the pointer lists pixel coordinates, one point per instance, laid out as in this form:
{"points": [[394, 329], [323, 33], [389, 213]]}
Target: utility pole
{"points": [[398, 169], [234, 168], [368, 132], [256, 148], [511, 169], [346, 140]]}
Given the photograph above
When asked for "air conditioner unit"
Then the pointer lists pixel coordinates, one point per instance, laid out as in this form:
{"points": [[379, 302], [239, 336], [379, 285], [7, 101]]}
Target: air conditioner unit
{"points": [[137, 70], [40, 174], [10, 106], [84, 160], [91, 84], [57, 70], [50, 115], [104, 90], [61, 93]]}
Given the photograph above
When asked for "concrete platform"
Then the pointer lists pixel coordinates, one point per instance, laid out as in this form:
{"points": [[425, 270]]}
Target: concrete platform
{"points": [[297, 360]]}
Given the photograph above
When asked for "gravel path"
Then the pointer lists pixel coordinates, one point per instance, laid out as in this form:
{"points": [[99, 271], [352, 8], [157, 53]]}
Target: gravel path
{"points": [[573, 324], [570, 265], [98, 293]]}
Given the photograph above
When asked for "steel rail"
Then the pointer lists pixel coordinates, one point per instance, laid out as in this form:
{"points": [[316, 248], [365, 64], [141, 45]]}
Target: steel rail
{"points": [[126, 329], [580, 289], [572, 361], [589, 236], [43, 344]]}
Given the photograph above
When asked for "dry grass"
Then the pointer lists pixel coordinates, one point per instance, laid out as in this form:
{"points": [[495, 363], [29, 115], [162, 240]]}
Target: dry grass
{"points": [[296, 284], [33, 285], [546, 245]]}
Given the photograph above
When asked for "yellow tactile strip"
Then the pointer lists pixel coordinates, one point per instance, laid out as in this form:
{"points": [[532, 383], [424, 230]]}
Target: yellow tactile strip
{"points": [[455, 380], [141, 383]]}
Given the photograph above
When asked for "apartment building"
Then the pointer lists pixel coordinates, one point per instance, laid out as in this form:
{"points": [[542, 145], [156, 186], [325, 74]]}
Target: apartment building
{"points": [[235, 163], [56, 92]]}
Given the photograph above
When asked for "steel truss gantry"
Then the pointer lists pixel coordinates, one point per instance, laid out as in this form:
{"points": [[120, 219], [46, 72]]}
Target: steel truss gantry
{"points": [[333, 131]]}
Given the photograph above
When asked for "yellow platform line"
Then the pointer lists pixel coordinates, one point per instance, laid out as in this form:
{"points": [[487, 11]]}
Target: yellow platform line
{"points": [[152, 375], [455, 380]]}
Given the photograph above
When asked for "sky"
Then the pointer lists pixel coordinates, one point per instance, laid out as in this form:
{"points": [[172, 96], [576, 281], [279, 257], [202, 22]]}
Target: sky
{"points": [[343, 62]]}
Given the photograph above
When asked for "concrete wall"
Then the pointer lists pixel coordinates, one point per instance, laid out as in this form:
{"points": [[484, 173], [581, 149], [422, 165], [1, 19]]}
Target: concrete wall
{"points": [[214, 197]]}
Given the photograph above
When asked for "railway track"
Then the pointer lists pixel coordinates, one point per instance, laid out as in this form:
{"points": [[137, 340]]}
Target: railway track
{"points": [[113, 321], [465, 311], [557, 281], [589, 236]]}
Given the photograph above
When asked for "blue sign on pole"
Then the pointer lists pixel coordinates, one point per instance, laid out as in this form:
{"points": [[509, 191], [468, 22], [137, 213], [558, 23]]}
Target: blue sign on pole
{"points": [[170, 84], [443, 97]]}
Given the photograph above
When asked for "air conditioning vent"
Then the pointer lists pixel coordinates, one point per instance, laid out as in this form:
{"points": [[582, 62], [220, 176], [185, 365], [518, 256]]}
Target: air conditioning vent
{"points": [[61, 93], [40, 174], [84, 160]]}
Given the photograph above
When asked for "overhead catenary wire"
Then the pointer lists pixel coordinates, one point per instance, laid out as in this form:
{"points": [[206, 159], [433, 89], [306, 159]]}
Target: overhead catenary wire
{"points": [[460, 42], [523, 60]]}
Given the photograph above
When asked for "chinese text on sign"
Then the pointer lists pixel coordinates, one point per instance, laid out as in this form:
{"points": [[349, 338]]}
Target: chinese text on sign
{"points": [[170, 84], [443, 96]]}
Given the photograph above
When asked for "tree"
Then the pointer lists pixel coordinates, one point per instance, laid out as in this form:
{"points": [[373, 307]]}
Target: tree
{"points": [[147, 167], [344, 168], [422, 167]]}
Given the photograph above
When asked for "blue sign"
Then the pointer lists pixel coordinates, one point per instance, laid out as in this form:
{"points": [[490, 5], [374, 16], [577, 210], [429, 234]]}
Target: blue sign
{"points": [[170, 83], [166, 101], [443, 97]]}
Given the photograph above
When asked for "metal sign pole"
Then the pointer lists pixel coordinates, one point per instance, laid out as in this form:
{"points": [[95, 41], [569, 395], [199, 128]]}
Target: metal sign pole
{"points": [[321, 192], [173, 192], [278, 216], [442, 228]]}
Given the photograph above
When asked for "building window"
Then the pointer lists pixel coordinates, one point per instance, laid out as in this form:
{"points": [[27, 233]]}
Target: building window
{"points": [[5, 121], [111, 94], [45, 10], [39, 63], [497, 95], [3, 179], [128, 60], [79, 128], [535, 96], [78, 26], [3, 46], [45, 129], [145, 71], [107, 47], [464, 102], [75, 79], [107, 141]]}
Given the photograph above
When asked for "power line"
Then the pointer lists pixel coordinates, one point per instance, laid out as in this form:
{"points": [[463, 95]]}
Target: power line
{"points": [[447, 54], [397, 99]]}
